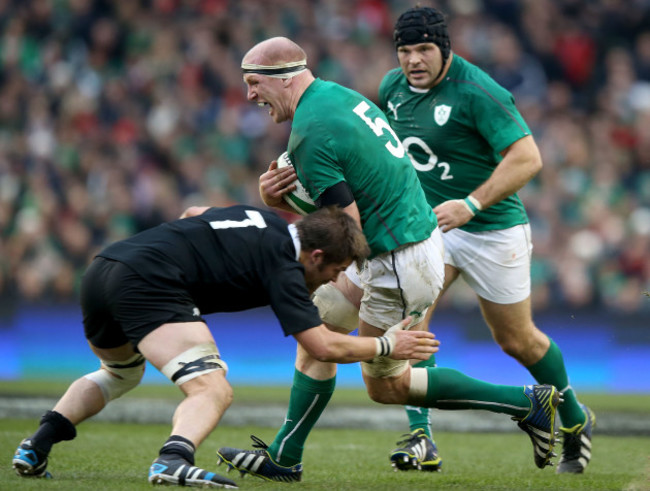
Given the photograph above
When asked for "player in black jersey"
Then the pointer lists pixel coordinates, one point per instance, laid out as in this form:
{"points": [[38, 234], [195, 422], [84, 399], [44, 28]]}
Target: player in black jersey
{"points": [[142, 299]]}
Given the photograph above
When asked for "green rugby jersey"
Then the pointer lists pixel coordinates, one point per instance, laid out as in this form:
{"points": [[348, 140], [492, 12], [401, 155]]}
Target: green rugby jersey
{"points": [[339, 135], [453, 134]]}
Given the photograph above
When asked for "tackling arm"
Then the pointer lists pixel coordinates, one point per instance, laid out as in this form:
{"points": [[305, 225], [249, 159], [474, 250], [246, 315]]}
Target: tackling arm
{"points": [[328, 346]]}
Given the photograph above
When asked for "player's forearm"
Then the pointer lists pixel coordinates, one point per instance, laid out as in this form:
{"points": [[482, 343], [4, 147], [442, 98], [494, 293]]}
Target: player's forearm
{"points": [[520, 164], [505, 181], [328, 346], [348, 349]]}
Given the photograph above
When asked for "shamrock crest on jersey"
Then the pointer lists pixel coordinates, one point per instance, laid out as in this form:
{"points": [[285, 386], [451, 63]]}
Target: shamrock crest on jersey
{"points": [[441, 114]]}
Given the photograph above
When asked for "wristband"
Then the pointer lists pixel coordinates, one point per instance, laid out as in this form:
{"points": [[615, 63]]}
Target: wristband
{"points": [[385, 345], [472, 204]]}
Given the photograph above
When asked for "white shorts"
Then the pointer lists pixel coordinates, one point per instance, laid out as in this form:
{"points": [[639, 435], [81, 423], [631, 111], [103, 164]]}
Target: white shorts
{"points": [[494, 263], [402, 282]]}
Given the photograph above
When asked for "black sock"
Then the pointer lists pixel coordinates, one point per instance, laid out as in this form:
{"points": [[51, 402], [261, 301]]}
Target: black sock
{"points": [[178, 446], [54, 428]]}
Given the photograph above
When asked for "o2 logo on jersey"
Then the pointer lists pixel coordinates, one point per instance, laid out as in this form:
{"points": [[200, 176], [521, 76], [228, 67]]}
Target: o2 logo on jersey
{"points": [[378, 126], [432, 163], [441, 114]]}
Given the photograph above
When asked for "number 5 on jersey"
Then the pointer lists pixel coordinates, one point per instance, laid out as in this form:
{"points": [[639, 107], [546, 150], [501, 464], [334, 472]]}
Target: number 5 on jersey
{"points": [[378, 126]]}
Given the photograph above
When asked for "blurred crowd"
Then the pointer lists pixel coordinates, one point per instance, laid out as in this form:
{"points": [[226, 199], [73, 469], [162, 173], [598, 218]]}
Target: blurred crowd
{"points": [[117, 115]]}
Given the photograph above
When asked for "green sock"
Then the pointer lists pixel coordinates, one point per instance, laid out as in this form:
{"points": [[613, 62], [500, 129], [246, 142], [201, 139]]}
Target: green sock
{"points": [[550, 370], [419, 416], [451, 389], [306, 403]]}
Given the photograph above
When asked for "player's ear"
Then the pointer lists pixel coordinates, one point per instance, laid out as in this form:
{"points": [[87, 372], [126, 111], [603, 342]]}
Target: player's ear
{"points": [[317, 256]]}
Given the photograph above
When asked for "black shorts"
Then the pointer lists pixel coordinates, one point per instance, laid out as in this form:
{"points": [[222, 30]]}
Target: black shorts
{"points": [[120, 306]]}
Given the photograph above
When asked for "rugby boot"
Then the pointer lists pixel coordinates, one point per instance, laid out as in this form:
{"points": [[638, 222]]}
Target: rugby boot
{"points": [[539, 423], [28, 461], [180, 472], [576, 445], [416, 451], [258, 463]]}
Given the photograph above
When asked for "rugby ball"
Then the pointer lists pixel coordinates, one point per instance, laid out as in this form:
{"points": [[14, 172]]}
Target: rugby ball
{"points": [[298, 199]]}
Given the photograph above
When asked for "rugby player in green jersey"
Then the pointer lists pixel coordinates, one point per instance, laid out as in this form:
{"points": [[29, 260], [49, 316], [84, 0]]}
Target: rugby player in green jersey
{"points": [[345, 153], [473, 151]]}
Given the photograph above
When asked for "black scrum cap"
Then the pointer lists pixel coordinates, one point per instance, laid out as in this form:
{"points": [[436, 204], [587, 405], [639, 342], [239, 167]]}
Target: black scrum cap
{"points": [[423, 25]]}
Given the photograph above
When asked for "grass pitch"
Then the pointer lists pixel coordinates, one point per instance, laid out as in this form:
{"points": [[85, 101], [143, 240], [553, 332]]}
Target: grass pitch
{"points": [[116, 456], [111, 456], [343, 396]]}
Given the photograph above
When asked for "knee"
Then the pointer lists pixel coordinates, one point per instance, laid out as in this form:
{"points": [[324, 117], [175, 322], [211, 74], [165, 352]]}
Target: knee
{"points": [[115, 379], [379, 396], [511, 346], [312, 367], [212, 386], [375, 396], [386, 391], [225, 394], [335, 309], [524, 343], [222, 390], [386, 396]]}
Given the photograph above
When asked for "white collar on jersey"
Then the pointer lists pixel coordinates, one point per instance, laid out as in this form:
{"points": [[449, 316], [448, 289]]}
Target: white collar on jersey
{"points": [[419, 91], [296, 241]]}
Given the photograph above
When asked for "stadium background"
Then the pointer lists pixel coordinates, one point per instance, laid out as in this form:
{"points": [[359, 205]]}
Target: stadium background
{"points": [[117, 115]]}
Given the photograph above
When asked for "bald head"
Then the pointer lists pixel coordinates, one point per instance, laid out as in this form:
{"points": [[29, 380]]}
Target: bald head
{"points": [[274, 52], [276, 74]]}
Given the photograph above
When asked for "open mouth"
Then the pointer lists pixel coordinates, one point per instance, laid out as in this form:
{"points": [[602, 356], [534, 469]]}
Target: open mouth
{"points": [[267, 105]]}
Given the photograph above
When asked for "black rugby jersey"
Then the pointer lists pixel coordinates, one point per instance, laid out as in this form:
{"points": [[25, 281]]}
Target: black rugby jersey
{"points": [[228, 259]]}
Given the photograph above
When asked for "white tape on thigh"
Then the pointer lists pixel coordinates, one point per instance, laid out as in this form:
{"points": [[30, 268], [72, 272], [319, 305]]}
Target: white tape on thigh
{"points": [[116, 378], [335, 309], [384, 367], [199, 360]]}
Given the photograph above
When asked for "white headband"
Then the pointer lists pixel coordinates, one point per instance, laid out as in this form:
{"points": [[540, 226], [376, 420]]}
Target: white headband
{"points": [[284, 70]]}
